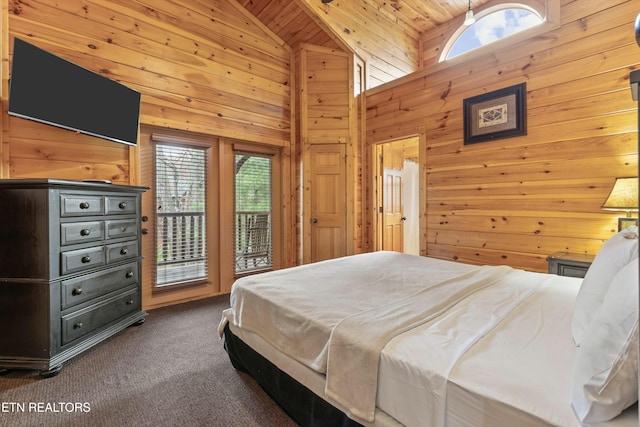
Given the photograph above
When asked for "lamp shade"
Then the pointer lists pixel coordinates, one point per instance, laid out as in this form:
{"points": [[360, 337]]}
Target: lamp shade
{"points": [[623, 196], [469, 19]]}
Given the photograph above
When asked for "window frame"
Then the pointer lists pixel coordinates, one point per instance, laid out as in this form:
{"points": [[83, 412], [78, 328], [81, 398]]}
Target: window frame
{"points": [[281, 236], [455, 38], [203, 238], [548, 10], [210, 217], [240, 150]]}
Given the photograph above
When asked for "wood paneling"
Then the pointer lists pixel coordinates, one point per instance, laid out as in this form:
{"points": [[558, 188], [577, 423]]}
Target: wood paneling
{"points": [[204, 68], [326, 94], [290, 21], [515, 201], [328, 118], [207, 67], [386, 34], [224, 68], [71, 155]]}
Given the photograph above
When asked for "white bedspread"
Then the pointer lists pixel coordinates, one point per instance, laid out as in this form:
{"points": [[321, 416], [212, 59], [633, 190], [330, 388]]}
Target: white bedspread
{"points": [[497, 354], [322, 320], [297, 309], [356, 341], [421, 364]]}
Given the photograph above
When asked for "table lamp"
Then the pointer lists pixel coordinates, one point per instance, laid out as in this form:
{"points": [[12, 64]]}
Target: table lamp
{"points": [[624, 197]]}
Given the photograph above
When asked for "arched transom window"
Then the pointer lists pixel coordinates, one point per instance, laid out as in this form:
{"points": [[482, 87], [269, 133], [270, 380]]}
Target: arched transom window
{"points": [[492, 24]]}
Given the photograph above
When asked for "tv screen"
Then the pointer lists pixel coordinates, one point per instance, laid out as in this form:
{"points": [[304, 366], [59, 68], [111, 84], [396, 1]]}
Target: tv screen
{"points": [[48, 89]]}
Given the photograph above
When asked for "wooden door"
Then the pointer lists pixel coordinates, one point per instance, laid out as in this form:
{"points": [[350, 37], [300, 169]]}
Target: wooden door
{"points": [[327, 220], [392, 206]]}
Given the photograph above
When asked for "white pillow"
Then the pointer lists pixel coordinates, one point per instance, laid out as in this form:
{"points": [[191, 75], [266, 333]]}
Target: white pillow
{"points": [[616, 252], [605, 375]]}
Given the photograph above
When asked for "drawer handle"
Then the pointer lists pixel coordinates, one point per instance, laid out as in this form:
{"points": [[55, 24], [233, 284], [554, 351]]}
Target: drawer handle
{"points": [[124, 251], [85, 232], [130, 302], [84, 205], [122, 205], [85, 259], [76, 291], [129, 274], [77, 325]]}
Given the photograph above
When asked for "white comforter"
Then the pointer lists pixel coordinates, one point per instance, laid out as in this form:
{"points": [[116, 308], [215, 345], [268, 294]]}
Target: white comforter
{"points": [[297, 309], [508, 344], [326, 317], [356, 341]]}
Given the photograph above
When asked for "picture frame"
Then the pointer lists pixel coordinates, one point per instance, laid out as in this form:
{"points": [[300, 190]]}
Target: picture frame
{"points": [[495, 115]]}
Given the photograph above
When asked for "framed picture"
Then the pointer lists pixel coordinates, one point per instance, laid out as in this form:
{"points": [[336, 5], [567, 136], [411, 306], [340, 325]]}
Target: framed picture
{"points": [[495, 115]]}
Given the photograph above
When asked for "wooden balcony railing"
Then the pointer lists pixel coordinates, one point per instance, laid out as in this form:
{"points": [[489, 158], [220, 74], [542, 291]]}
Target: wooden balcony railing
{"points": [[181, 251], [252, 241], [181, 254]]}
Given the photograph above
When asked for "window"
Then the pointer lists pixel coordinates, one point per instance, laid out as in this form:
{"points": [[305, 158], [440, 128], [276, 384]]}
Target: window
{"points": [[253, 215], [180, 194], [492, 25]]}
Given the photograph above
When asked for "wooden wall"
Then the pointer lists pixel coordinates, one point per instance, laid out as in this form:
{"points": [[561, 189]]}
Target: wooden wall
{"points": [[374, 32], [203, 66], [327, 122], [515, 201], [210, 67], [206, 69]]}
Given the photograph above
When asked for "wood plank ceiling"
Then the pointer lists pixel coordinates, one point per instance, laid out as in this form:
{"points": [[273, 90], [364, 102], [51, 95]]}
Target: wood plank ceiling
{"points": [[385, 33]]}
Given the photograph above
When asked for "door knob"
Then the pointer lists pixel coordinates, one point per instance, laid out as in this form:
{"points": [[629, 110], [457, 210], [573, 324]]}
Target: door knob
{"points": [[314, 220], [404, 218]]}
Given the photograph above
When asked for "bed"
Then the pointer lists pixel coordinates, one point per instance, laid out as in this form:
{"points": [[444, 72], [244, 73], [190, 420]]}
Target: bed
{"points": [[389, 339]]}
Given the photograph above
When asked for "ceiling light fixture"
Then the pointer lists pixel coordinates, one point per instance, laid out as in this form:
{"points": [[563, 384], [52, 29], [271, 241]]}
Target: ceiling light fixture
{"points": [[469, 19]]}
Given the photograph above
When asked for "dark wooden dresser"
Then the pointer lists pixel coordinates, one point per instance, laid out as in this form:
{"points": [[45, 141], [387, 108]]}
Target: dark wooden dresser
{"points": [[69, 268]]}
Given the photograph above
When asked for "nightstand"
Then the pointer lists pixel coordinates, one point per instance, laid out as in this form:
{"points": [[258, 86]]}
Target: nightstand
{"points": [[568, 264]]}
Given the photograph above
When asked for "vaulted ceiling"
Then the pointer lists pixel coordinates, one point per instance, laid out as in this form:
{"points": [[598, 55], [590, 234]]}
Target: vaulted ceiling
{"points": [[385, 33]]}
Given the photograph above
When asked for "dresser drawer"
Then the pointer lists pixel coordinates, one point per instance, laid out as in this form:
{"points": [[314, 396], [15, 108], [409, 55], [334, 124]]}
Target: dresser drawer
{"points": [[78, 232], [572, 271], [82, 322], [119, 251], [121, 228], [81, 205], [120, 205], [569, 264], [82, 259], [81, 289]]}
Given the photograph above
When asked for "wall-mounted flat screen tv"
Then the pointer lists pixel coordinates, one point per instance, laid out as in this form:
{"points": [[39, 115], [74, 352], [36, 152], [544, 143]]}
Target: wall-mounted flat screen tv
{"points": [[48, 89]]}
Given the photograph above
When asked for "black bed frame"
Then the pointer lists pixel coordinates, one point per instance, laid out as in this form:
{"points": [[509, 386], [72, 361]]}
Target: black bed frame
{"points": [[300, 403]]}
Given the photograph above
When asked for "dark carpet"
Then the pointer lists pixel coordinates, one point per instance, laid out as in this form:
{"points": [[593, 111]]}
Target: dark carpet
{"points": [[170, 371]]}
